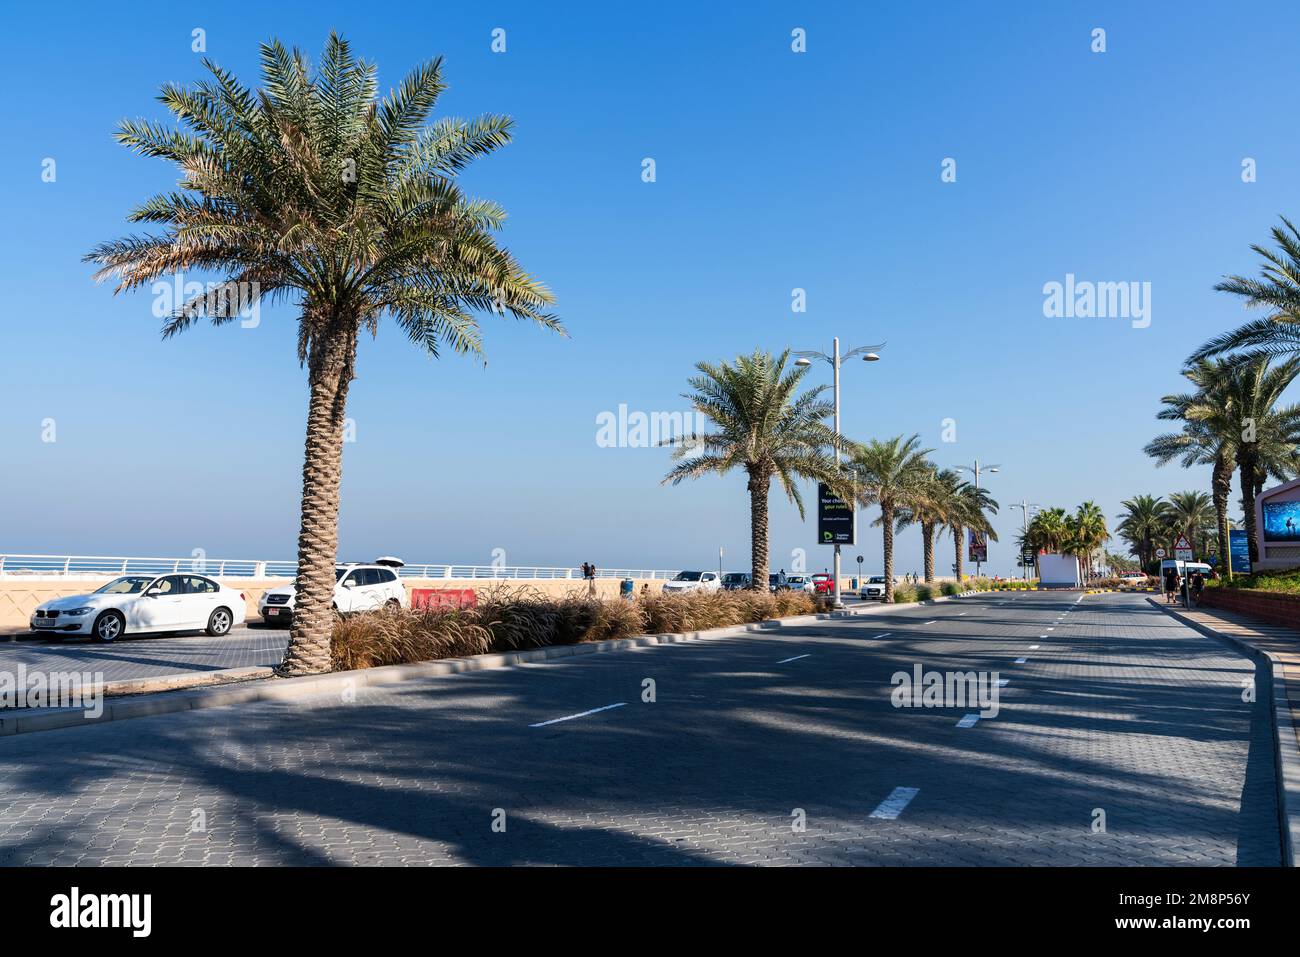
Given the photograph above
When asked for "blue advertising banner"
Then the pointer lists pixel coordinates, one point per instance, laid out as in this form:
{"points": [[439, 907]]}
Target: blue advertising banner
{"points": [[1240, 551]]}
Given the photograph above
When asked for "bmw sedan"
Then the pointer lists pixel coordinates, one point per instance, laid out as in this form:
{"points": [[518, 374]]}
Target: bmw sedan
{"points": [[141, 604]]}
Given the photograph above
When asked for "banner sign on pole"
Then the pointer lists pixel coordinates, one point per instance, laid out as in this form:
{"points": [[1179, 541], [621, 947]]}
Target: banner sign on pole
{"points": [[1239, 551], [979, 546], [836, 519]]}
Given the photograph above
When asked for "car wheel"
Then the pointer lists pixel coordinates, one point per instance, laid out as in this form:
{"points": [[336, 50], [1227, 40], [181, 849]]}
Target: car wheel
{"points": [[220, 622], [109, 626]]}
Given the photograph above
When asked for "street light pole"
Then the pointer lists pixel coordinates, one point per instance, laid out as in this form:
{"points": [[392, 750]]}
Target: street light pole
{"points": [[975, 469], [1027, 508], [805, 358]]}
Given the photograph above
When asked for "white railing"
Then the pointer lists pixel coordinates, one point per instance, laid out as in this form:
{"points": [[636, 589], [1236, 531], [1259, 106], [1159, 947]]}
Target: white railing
{"points": [[98, 566]]}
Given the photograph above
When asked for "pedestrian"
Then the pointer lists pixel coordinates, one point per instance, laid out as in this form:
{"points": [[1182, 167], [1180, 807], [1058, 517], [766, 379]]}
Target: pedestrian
{"points": [[1171, 584], [589, 571], [1198, 586]]}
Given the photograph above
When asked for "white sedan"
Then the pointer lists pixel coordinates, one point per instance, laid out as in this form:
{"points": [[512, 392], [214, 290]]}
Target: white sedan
{"points": [[692, 581], [138, 604]]}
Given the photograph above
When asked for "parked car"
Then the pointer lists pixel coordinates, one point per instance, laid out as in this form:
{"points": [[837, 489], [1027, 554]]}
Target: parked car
{"points": [[693, 581], [141, 604], [736, 581], [823, 583], [873, 589], [800, 583], [777, 582], [356, 588]]}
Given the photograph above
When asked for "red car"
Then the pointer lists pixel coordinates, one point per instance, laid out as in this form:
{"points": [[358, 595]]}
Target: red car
{"points": [[823, 584]]}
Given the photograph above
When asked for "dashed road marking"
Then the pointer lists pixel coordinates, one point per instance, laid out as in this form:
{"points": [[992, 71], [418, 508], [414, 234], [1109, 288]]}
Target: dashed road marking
{"points": [[1033, 647], [885, 635], [1020, 661], [580, 714], [935, 622], [892, 806], [969, 721], [795, 658]]}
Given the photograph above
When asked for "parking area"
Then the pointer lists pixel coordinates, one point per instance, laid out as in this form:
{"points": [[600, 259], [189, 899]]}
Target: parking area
{"points": [[146, 656]]}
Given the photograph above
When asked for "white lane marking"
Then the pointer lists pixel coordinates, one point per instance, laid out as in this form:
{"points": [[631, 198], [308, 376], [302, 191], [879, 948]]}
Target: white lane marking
{"points": [[960, 613], [1033, 647], [1051, 629], [1042, 636], [580, 714], [892, 806], [969, 721], [1020, 661], [935, 622], [795, 658], [885, 635], [1003, 682]]}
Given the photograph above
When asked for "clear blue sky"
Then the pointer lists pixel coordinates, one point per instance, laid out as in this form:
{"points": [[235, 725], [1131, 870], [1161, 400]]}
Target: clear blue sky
{"points": [[775, 170]]}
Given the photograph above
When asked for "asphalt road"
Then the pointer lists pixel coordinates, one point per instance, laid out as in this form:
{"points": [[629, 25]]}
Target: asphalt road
{"points": [[1116, 714]]}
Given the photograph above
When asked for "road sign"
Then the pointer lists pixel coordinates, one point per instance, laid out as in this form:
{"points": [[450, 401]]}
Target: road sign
{"points": [[1239, 551], [1161, 553], [1183, 549]]}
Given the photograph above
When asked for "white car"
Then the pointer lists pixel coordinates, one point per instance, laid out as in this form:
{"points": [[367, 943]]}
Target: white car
{"points": [[801, 583], [356, 588], [873, 589], [139, 604], [692, 581]]}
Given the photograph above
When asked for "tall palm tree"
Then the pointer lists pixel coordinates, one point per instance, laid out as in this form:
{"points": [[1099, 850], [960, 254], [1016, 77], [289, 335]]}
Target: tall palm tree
{"points": [[313, 191], [1142, 525], [1206, 439], [1086, 532], [936, 504], [971, 508], [763, 426], [1277, 290], [892, 474], [1048, 530], [1242, 395]]}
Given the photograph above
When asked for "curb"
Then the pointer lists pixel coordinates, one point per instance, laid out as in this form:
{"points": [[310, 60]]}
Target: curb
{"points": [[244, 685], [1286, 746]]}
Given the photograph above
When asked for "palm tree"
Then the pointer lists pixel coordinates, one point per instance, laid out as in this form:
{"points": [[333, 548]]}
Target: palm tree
{"points": [[313, 191], [1086, 532], [937, 503], [1240, 398], [1142, 525], [1206, 439], [970, 510], [1277, 290], [894, 475], [1192, 513], [762, 426], [1049, 531]]}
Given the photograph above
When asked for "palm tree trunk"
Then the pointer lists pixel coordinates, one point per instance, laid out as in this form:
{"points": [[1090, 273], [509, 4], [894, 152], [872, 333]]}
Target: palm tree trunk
{"points": [[959, 533], [758, 489], [329, 373], [1246, 469], [887, 528], [927, 544], [1220, 491]]}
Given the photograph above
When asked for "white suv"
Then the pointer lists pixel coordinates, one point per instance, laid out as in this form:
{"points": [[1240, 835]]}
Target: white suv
{"points": [[356, 588], [692, 581]]}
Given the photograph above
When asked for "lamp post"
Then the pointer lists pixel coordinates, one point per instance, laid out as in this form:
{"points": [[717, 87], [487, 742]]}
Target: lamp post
{"points": [[1027, 508], [976, 469], [835, 360]]}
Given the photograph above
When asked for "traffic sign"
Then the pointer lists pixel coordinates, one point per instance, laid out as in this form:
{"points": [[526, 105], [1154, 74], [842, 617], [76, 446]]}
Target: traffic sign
{"points": [[1183, 549], [1161, 553]]}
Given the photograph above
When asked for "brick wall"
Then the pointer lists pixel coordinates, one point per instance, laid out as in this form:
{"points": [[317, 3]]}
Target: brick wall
{"points": [[1274, 608]]}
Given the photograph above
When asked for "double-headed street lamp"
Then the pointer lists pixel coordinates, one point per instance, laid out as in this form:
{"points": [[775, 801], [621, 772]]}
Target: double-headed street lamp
{"points": [[1028, 508], [806, 358], [976, 469]]}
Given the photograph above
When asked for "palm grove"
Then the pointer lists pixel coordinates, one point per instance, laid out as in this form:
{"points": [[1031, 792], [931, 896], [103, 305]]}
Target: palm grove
{"points": [[1231, 417]]}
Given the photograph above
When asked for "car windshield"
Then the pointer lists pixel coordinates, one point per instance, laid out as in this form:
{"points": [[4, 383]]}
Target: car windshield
{"points": [[688, 576], [127, 585], [795, 580], [733, 577], [876, 580]]}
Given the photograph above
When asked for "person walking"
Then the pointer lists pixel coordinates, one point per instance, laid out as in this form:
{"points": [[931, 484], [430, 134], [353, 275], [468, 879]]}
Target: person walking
{"points": [[590, 571], [1198, 586], [1171, 584]]}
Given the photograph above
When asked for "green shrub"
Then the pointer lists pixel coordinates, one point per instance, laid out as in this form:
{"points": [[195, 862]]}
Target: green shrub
{"points": [[949, 588], [904, 593], [924, 593]]}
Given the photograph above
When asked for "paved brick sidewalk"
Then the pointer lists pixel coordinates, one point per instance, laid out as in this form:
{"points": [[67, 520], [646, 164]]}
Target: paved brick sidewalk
{"points": [[1119, 710]]}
